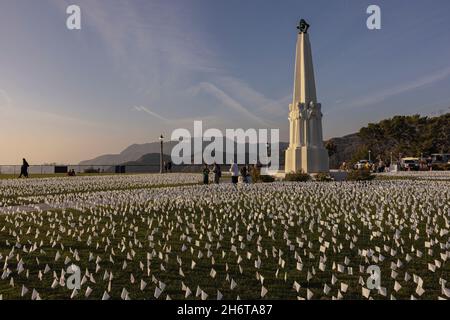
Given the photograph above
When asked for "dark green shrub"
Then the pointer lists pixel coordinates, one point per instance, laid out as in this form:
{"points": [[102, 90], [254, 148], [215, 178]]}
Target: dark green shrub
{"points": [[440, 166], [297, 177], [360, 175], [324, 177], [266, 178]]}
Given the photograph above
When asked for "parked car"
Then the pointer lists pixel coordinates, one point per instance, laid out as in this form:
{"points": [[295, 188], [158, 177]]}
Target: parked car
{"points": [[410, 163], [440, 158]]}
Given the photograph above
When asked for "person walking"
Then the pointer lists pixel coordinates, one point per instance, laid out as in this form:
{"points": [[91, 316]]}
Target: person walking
{"points": [[234, 169], [244, 174], [205, 174], [24, 169], [217, 173]]}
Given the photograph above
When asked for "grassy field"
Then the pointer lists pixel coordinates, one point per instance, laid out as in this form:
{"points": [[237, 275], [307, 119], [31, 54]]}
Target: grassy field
{"points": [[26, 191], [291, 239], [57, 175]]}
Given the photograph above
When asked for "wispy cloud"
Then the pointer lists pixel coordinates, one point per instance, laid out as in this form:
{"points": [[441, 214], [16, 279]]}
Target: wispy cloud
{"points": [[154, 47], [226, 100], [10, 109], [212, 120], [150, 112], [397, 90], [242, 91], [158, 59]]}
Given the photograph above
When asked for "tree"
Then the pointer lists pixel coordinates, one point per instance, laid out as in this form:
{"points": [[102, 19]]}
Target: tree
{"points": [[331, 148], [409, 135]]}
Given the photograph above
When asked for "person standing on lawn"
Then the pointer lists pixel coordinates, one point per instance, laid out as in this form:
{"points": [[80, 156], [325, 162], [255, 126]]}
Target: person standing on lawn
{"points": [[205, 174], [217, 173], [24, 169], [244, 174], [234, 169]]}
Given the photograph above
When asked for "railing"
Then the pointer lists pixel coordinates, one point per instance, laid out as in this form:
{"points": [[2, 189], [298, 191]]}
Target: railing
{"points": [[120, 169]]}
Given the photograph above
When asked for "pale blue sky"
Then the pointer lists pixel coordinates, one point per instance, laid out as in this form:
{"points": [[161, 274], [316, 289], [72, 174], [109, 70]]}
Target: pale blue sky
{"points": [[138, 68]]}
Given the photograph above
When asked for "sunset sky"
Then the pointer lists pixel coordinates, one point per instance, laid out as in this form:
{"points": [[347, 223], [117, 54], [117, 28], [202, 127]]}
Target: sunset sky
{"points": [[140, 68]]}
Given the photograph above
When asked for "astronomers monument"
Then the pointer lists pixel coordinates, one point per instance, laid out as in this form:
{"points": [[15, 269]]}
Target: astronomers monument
{"points": [[306, 151]]}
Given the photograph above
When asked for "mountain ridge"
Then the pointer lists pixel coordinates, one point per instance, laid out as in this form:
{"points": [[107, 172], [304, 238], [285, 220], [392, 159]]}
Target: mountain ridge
{"points": [[407, 135]]}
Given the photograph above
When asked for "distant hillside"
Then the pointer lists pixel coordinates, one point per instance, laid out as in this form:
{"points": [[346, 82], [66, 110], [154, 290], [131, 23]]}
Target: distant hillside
{"points": [[408, 135], [343, 148], [139, 152], [131, 153], [147, 163]]}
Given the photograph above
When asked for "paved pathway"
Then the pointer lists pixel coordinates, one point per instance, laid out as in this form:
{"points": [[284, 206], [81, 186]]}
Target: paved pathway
{"points": [[25, 208], [29, 208]]}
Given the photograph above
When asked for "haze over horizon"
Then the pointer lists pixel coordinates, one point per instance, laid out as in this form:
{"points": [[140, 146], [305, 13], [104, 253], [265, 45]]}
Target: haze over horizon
{"points": [[140, 68]]}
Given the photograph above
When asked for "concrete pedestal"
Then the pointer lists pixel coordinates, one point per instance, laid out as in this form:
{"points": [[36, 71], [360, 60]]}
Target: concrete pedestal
{"points": [[306, 159]]}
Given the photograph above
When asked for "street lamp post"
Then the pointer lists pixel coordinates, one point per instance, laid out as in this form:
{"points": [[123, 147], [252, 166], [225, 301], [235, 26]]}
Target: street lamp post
{"points": [[161, 139], [369, 155]]}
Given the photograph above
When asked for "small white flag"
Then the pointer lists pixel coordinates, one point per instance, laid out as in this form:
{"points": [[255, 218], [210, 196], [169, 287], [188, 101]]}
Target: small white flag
{"points": [[263, 291]]}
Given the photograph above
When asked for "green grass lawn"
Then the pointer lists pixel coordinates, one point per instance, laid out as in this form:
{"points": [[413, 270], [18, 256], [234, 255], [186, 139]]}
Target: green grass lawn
{"points": [[59, 175], [63, 175], [25, 191], [149, 235]]}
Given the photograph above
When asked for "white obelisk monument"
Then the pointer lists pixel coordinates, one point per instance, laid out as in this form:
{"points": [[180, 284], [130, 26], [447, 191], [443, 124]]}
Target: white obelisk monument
{"points": [[306, 151]]}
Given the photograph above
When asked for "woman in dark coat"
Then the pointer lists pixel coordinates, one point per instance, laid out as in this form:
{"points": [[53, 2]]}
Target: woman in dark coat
{"points": [[205, 174], [24, 169], [244, 174], [217, 173]]}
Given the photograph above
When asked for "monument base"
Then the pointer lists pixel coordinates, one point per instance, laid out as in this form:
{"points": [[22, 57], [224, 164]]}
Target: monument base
{"points": [[338, 175], [307, 159], [279, 175]]}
